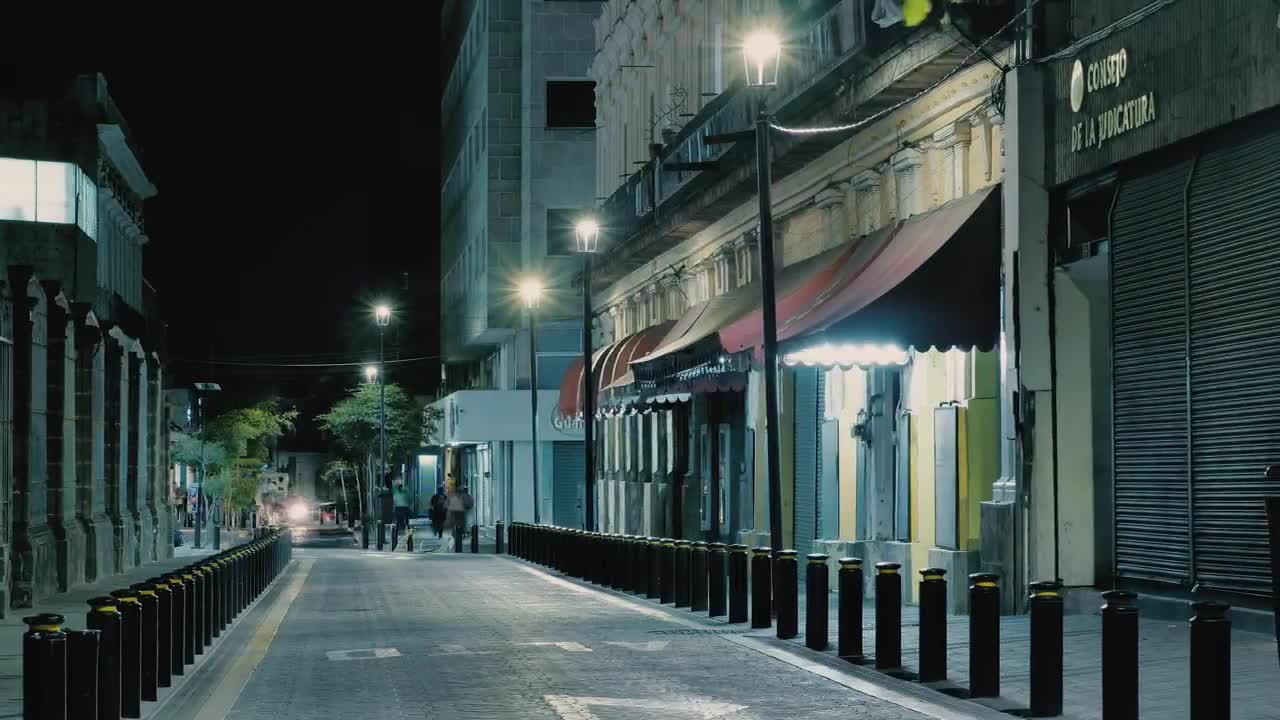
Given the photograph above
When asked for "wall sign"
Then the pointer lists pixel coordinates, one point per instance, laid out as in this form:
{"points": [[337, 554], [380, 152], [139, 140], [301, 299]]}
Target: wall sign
{"points": [[565, 424], [1093, 127]]}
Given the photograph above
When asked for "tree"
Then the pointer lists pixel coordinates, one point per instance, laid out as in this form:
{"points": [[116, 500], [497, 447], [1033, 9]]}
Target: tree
{"points": [[353, 421], [335, 473]]}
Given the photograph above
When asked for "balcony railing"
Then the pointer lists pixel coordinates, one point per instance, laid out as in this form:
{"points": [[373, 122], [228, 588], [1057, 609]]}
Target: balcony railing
{"points": [[825, 40]]}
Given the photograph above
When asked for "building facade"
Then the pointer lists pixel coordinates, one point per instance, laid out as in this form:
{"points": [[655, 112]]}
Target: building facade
{"points": [[518, 170], [83, 440], [887, 261], [1156, 388]]}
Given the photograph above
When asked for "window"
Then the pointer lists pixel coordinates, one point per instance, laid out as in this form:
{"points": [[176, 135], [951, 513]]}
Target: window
{"points": [[561, 239], [51, 192], [571, 104]]}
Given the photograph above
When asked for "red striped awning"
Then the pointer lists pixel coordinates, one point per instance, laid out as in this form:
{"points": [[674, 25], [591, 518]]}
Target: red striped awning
{"points": [[609, 365]]}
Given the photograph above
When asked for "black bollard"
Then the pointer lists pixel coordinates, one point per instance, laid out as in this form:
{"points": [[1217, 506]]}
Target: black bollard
{"points": [[191, 633], [44, 668], [382, 535], [395, 536], [816, 588], [786, 594], [164, 631], [408, 540], [933, 625], [683, 592], [653, 557], [984, 635], [206, 619], [849, 641], [737, 584], [475, 539], [698, 577], [82, 674], [888, 616], [104, 617], [178, 623], [1046, 649], [1210, 679], [717, 568], [364, 535], [666, 572], [130, 653], [637, 568], [761, 588], [499, 537], [150, 648], [1119, 655]]}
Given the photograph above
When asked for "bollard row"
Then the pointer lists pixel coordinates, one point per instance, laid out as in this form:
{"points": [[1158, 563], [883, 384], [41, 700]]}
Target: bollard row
{"points": [[699, 575], [138, 639]]}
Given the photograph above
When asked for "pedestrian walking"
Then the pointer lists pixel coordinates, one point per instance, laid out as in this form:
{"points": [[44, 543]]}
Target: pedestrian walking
{"points": [[401, 498], [458, 503], [439, 509]]}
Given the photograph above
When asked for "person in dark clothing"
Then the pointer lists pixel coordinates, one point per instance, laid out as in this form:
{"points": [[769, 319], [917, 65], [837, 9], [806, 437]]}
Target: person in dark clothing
{"points": [[439, 501]]}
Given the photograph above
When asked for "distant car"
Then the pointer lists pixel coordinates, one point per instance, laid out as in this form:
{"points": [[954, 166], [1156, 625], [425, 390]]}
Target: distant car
{"points": [[177, 537]]}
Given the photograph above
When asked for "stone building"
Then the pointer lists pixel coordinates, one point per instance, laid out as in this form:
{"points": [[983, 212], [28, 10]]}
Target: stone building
{"points": [[519, 166], [888, 266], [83, 441]]}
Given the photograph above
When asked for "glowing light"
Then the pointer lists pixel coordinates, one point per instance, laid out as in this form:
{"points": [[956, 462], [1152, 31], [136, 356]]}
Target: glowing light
{"points": [[298, 512], [371, 372], [588, 233], [531, 292], [382, 314], [761, 50], [848, 355]]}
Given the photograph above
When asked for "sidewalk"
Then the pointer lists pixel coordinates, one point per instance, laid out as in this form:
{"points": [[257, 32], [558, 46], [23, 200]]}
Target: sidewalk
{"points": [[1164, 651], [74, 605]]}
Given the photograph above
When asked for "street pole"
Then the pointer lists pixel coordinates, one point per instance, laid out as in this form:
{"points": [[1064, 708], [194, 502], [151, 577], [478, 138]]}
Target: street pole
{"points": [[382, 408], [533, 406], [588, 399], [769, 307], [200, 481]]}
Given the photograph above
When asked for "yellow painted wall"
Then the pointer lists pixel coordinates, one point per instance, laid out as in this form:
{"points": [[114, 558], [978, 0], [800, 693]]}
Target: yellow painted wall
{"points": [[854, 398], [786, 441]]}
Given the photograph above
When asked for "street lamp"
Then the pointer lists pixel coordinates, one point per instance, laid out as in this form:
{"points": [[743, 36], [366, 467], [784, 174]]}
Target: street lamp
{"points": [[382, 315], [202, 389], [588, 235], [762, 51], [371, 373], [531, 293]]}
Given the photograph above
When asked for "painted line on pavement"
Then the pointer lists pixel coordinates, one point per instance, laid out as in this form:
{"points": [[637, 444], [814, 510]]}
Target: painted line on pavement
{"points": [[224, 697], [862, 680]]}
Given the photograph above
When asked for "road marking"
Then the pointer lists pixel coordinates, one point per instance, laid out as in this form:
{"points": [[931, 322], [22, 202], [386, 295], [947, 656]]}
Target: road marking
{"points": [[861, 680], [224, 696], [569, 707], [566, 646], [453, 649], [370, 654], [650, 646]]}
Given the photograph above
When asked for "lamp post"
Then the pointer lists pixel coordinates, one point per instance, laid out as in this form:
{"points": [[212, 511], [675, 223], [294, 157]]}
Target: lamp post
{"points": [[531, 292], [588, 235], [370, 375], [761, 52], [202, 389], [382, 315]]}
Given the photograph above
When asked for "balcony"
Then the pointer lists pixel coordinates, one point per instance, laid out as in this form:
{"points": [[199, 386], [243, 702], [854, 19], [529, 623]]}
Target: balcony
{"points": [[838, 66]]}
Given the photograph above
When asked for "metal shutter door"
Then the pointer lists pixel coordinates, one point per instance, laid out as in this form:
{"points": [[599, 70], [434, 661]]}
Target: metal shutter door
{"points": [[1148, 270], [806, 460], [566, 492], [1234, 220]]}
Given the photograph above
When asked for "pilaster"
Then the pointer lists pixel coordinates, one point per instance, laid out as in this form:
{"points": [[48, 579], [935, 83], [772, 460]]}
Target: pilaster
{"points": [[90, 409], [831, 201], [866, 188], [69, 544], [908, 171], [953, 141]]}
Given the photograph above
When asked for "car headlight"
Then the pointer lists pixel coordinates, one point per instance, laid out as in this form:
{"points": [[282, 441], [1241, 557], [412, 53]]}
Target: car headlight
{"points": [[297, 511]]}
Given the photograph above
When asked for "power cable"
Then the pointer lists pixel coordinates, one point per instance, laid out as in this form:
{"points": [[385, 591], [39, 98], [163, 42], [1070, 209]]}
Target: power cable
{"points": [[402, 361]]}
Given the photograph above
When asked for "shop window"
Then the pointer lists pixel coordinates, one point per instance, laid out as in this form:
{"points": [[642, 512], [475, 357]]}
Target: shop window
{"points": [[571, 104]]}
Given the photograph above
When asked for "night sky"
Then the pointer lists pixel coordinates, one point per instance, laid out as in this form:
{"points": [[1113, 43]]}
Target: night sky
{"points": [[298, 170]]}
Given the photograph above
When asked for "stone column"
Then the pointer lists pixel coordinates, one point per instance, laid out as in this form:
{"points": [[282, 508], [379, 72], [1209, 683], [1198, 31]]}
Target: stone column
{"points": [[831, 201], [909, 176], [7, 352], [953, 141], [90, 419], [34, 555], [134, 485], [866, 186], [69, 547], [158, 468], [115, 444]]}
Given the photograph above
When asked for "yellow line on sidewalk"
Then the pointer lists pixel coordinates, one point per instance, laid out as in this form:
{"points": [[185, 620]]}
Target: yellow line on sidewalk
{"points": [[224, 697]]}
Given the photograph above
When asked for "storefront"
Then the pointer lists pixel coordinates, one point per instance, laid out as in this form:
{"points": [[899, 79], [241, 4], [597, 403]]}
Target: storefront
{"points": [[1175, 202]]}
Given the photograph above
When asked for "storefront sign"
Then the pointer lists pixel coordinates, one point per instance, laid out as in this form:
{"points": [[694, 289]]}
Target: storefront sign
{"points": [[1093, 129], [565, 424]]}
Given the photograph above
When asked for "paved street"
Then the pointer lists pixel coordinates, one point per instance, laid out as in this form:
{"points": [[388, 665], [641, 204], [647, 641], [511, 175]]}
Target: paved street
{"points": [[349, 633]]}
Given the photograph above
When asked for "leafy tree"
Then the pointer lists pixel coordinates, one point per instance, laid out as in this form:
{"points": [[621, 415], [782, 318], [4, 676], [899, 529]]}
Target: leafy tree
{"points": [[353, 421], [335, 473]]}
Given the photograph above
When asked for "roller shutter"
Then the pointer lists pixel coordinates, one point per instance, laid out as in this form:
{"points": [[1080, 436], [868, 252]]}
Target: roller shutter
{"points": [[806, 460], [1234, 223], [1148, 271], [567, 489]]}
